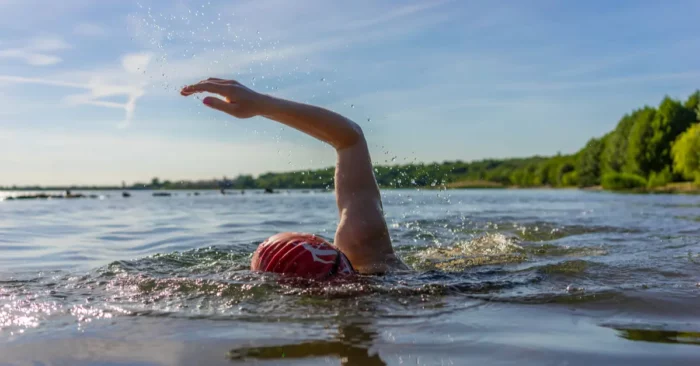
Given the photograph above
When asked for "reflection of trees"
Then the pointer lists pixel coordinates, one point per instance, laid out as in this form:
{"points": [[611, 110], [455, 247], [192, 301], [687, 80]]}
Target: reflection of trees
{"points": [[351, 346], [659, 336]]}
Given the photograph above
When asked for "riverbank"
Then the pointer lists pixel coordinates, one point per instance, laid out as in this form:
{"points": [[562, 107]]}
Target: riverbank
{"points": [[670, 188], [474, 184]]}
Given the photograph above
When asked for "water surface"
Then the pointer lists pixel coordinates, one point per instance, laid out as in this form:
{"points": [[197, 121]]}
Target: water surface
{"points": [[527, 277]]}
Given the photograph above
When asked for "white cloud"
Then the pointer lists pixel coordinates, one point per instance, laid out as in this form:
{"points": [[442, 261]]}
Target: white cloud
{"points": [[136, 62], [47, 43], [188, 52], [393, 14], [37, 51], [100, 85], [89, 30], [9, 79], [31, 58]]}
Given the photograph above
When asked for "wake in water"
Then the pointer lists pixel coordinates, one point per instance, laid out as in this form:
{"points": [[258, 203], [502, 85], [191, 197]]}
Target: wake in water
{"points": [[216, 283]]}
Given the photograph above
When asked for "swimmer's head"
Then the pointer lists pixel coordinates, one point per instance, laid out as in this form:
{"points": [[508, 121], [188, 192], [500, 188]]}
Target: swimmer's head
{"points": [[301, 255]]}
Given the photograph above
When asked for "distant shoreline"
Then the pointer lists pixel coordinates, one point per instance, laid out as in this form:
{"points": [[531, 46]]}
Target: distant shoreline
{"points": [[671, 188]]}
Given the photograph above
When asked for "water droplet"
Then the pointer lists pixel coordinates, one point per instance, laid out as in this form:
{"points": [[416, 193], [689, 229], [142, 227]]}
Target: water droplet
{"points": [[352, 106], [369, 120]]}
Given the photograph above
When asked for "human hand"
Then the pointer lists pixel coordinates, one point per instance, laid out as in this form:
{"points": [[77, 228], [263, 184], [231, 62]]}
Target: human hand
{"points": [[239, 101]]}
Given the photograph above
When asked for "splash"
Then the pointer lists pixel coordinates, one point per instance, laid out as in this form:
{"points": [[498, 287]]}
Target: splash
{"points": [[490, 249]]}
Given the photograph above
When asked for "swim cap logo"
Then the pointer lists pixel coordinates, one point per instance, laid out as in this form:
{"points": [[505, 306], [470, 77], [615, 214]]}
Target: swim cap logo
{"points": [[316, 252]]}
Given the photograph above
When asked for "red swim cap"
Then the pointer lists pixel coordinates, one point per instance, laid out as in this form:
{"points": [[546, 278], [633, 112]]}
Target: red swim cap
{"points": [[303, 255]]}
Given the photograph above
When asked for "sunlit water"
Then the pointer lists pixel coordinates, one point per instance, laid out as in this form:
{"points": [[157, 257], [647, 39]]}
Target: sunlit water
{"points": [[523, 277]]}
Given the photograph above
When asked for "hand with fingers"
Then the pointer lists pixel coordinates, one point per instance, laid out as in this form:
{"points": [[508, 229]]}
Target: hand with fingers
{"points": [[239, 101]]}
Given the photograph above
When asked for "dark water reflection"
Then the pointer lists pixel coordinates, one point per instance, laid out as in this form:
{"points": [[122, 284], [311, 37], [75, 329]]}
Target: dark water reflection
{"points": [[351, 346], [659, 336]]}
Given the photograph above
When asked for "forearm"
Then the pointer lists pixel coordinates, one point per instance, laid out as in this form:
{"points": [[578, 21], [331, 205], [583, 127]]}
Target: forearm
{"points": [[318, 122]]}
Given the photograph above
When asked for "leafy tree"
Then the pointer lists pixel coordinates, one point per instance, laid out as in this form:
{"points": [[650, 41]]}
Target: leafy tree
{"points": [[615, 151], [588, 165], [638, 157], [693, 101], [565, 170], [243, 182], [570, 179], [623, 181], [659, 179], [155, 183], [671, 119], [686, 153]]}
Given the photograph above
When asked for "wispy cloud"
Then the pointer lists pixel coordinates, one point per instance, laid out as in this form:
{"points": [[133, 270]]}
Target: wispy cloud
{"points": [[394, 14], [39, 51], [193, 46], [101, 85], [439, 78]]}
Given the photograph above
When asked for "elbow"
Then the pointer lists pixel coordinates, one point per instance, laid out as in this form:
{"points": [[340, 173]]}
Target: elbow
{"points": [[357, 133], [353, 136]]}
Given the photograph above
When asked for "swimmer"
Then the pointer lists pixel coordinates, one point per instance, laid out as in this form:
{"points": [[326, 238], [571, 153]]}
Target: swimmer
{"points": [[362, 243]]}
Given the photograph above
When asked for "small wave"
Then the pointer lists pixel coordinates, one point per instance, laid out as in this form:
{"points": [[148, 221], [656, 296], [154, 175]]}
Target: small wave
{"points": [[573, 267], [564, 251], [545, 231], [689, 218], [485, 250], [489, 249]]}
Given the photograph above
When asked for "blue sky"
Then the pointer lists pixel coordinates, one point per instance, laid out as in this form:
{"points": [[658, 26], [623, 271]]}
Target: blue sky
{"points": [[90, 88]]}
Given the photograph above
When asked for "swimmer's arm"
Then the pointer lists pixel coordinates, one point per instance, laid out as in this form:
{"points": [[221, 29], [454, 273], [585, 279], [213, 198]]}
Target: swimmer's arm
{"points": [[242, 102], [318, 122], [362, 232]]}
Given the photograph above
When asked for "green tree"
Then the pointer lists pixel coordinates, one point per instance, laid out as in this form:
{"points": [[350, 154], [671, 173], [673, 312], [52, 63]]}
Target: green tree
{"points": [[671, 119], [660, 179], [615, 151], [686, 153], [623, 181], [155, 183], [588, 164], [638, 156], [564, 170], [570, 179], [693, 101]]}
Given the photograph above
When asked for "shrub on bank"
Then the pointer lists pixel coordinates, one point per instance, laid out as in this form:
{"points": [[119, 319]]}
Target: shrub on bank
{"points": [[623, 181], [659, 179]]}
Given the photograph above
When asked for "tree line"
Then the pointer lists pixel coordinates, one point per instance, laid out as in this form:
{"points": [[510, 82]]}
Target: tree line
{"points": [[649, 147]]}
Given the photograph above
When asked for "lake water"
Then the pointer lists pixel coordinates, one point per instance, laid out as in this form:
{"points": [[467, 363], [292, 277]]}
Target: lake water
{"points": [[502, 277]]}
